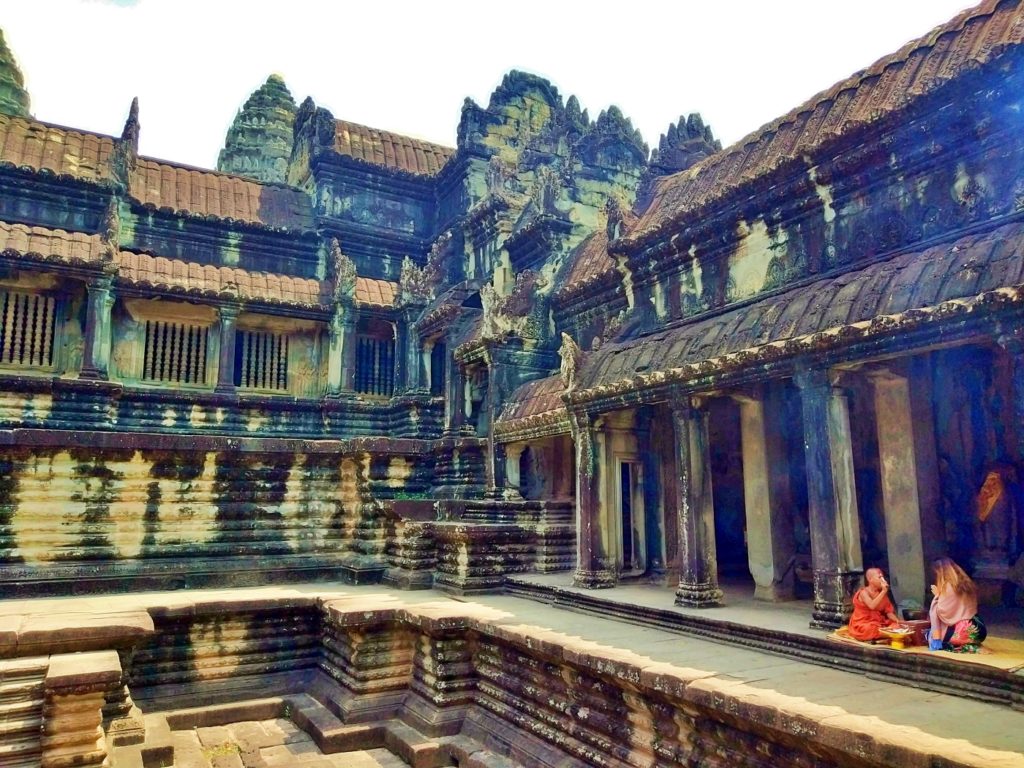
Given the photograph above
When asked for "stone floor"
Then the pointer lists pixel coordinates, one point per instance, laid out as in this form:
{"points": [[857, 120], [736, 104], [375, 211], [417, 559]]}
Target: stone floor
{"points": [[981, 733], [739, 605], [257, 744]]}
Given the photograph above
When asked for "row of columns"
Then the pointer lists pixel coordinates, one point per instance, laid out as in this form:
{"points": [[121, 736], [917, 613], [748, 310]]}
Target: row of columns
{"points": [[908, 480], [341, 356]]}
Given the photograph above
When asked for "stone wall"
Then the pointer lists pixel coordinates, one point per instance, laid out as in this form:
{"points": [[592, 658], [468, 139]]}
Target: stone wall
{"points": [[354, 664]]}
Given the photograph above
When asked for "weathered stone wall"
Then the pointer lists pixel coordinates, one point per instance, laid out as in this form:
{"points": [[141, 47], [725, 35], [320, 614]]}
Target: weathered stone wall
{"points": [[531, 694], [193, 239], [207, 653], [88, 518]]}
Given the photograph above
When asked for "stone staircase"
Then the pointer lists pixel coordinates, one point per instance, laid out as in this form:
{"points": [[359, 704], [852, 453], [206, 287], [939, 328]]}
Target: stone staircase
{"points": [[21, 711]]}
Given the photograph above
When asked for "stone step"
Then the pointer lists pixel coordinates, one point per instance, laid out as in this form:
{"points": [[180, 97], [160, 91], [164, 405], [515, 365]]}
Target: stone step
{"points": [[413, 747], [21, 751], [21, 690], [14, 707], [25, 665], [26, 723], [328, 731]]}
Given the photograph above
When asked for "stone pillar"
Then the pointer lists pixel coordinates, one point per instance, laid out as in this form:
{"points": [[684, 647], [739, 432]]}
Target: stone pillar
{"points": [[426, 364], [1013, 344], [497, 482], [770, 543], [513, 477], [74, 690], [565, 461], [226, 360], [348, 349], [831, 498], [96, 353], [336, 343], [411, 350], [698, 578], [903, 485], [651, 467], [594, 569], [455, 399]]}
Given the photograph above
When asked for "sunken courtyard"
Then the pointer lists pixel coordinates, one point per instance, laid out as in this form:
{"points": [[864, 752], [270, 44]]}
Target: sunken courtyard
{"points": [[546, 448]]}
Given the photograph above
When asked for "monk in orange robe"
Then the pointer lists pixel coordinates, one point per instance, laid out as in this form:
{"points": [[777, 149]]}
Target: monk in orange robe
{"points": [[872, 608]]}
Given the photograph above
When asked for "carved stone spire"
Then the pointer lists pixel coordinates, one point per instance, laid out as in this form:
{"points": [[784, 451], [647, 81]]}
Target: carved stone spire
{"points": [[343, 273], [259, 142], [687, 142], [130, 132], [14, 98], [126, 152]]}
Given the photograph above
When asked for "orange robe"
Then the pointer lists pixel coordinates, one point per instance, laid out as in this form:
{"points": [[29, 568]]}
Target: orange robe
{"points": [[865, 622]]}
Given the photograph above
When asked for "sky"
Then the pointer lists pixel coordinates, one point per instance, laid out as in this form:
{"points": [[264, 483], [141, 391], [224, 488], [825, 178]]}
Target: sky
{"points": [[407, 66]]}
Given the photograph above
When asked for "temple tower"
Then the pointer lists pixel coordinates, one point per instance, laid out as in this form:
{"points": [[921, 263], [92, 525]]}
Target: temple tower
{"points": [[259, 142], [14, 98]]}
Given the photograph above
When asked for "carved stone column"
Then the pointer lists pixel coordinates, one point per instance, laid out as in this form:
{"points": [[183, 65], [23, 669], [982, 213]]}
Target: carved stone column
{"points": [[1013, 344], [410, 346], [513, 477], [698, 578], [651, 465], [226, 359], [594, 568], [336, 344], [96, 353], [401, 357], [770, 543], [425, 365], [831, 498], [348, 350], [455, 399], [909, 491]]}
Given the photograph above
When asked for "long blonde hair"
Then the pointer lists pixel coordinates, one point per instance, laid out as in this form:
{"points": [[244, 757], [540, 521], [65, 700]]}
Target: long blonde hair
{"points": [[948, 572]]}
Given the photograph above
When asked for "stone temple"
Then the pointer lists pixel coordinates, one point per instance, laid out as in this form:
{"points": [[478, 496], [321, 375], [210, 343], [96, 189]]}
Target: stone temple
{"points": [[347, 355]]}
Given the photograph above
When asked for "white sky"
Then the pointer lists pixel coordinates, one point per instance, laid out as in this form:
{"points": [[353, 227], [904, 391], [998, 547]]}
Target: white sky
{"points": [[407, 65]]}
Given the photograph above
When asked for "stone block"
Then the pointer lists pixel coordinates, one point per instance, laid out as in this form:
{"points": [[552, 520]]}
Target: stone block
{"points": [[224, 714], [412, 746], [61, 633], [350, 738], [94, 671]]}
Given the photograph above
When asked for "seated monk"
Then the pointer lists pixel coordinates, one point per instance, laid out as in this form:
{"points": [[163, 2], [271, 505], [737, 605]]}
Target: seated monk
{"points": [[872, 608]]}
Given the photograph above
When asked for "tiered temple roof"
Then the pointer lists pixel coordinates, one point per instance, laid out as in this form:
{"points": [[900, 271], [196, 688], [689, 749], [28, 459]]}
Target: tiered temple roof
{"points": [[970, 40]]}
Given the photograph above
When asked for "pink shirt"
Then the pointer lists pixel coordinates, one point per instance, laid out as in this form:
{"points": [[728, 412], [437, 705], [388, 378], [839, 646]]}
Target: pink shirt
{"points": [[948, 608]]}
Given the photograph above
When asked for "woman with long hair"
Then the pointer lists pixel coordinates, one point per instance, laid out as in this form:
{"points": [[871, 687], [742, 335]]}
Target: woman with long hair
{"points": [[955, 624]]}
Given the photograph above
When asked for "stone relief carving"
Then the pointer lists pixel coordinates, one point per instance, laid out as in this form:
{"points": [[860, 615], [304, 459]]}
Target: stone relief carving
{"points": [[572, 359]]}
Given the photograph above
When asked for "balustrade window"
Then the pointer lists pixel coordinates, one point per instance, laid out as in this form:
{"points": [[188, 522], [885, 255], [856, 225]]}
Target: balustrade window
{"points": [[261, 360], [27, 323], [175, 352], [375, 365]]}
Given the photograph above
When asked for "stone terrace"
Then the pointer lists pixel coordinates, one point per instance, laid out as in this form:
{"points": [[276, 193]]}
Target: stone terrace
{"points": [[499, 679]]}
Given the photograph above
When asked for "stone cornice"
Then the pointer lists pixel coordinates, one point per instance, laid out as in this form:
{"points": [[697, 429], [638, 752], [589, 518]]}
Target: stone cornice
{"points": [[878, 328]]}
